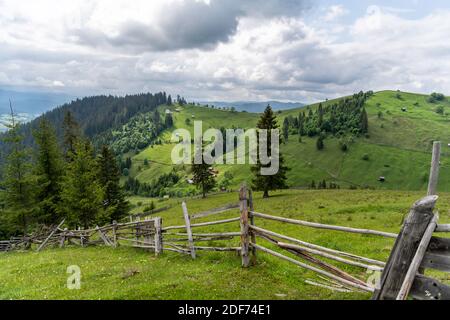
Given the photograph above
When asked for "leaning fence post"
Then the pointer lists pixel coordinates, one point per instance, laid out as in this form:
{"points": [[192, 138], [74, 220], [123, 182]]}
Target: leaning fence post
{"points": [[252, 222], [405, 248], [114, 232], [158, 236], [187, 220], [434, 172], [245, 239]]}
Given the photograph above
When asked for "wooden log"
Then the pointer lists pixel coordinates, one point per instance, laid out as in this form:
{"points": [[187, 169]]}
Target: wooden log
{"points": [[187, 221], [245, 236], [314, 269], [324, 226], [443, 228], [405, 249], [434, 171], [214, 211], [218, 234], [425, 288], [203, 224], [317, 247], [176, 250], [218, 249], [440, 262], [158, 240], [417, 260], [50, 235], [326, 266], [330, 256]]}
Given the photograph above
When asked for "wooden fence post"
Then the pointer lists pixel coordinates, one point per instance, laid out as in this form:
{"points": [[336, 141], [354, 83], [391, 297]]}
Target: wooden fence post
{"points": [[187, 220], [158, 237], [114, 234], [245, 237], [434, 172], [252, 222], [63, 238], [405, 248]]}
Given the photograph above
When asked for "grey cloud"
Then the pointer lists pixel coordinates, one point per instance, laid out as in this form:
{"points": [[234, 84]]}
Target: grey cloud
{"points": [[189, 24]]}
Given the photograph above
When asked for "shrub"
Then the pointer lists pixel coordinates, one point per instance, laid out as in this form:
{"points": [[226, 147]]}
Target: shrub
{"points": [[440, 110], [366, 157]]}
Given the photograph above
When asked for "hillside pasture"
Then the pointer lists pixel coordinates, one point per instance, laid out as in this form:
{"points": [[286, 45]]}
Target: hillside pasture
{"points": [[132, 274]]}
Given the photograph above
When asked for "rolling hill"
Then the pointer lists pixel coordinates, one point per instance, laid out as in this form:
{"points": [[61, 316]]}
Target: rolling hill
{"points": [[402, 127]]}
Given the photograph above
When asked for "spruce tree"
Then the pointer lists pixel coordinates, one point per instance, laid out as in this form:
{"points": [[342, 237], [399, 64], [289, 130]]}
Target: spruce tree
{"points": [[364, 121], [115, 205], [277, 181], [71, 135], [168, 121], [48, 170], [17, 178], [320, 144], [203, 178], [286, 130], [81, 193]]}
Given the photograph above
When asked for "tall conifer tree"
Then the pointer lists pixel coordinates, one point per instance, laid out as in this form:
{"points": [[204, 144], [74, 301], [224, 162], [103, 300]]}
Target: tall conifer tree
{"points": [[114, 203], [264, 183], [71, 135], [81, 191], [17, 178], [48, 170]]}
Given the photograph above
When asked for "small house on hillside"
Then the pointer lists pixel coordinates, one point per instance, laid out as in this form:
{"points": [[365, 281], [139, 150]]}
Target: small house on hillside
{"points": [[404, 109], [168, 111], [382, 179]]}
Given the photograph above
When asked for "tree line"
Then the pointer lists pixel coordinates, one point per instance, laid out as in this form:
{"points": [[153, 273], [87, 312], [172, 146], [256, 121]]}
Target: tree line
{"points": [[55, 180], [347, 116]]}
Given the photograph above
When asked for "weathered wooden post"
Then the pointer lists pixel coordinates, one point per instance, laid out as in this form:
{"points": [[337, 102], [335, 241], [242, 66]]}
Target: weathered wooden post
{"points": [[158, 237], [405, 249], [245, 236], [114, 234], [63, 238], [187, 220], [434, 172], [252, 222]]}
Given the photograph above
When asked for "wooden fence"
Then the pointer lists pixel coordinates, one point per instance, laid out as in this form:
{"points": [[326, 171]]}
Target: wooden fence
{"points": [[143, 234], [402, 276]]}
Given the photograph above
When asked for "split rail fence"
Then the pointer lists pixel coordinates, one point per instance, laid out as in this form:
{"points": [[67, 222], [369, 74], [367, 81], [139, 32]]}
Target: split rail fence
{"points": [[402, 276]]}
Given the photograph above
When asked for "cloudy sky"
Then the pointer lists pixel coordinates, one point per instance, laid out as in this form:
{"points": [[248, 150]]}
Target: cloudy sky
{"points": [[292, 50]]}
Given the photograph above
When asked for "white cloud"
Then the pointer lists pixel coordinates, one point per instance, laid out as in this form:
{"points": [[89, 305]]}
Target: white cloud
{"points": [[335, 12], [248, 50]]}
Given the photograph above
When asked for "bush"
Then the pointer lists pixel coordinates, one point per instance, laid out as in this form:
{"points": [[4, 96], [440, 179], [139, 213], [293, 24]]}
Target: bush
{"points": [[319, 144], [440, 110], [366, 157], [436, 97]]}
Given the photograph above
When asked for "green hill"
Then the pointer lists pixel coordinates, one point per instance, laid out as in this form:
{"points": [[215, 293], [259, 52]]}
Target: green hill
{"points": [[402, 127]]}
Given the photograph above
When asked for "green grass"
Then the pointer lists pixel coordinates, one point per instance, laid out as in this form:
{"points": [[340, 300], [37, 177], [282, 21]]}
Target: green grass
{"points": [[219, 275]]}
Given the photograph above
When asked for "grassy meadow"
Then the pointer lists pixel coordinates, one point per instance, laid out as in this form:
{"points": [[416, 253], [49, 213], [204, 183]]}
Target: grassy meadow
{"points": [[127, 273], [398, 146]]}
